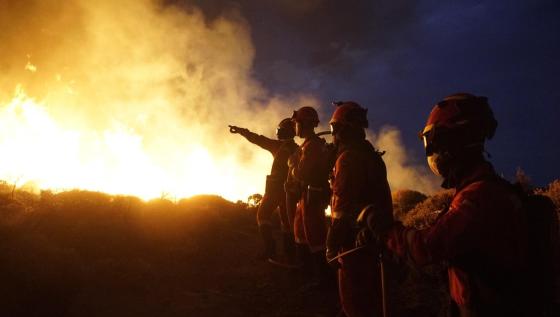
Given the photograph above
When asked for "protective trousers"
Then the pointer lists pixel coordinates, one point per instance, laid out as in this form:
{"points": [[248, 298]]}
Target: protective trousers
{"points": [[359, 285], [270, 201], [309, 226], [292, 200]]}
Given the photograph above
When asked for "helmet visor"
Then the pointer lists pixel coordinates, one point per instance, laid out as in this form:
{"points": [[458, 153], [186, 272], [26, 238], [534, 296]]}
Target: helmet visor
{"points": [[437, 139], [335, 127], [427, 137]]}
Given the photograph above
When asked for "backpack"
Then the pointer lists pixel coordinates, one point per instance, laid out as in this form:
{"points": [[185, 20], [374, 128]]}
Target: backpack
{"points": [[543, 251]]}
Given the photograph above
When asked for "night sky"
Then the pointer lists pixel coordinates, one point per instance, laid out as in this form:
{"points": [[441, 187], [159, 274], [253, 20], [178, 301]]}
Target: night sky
{"points": [[398, 58]]}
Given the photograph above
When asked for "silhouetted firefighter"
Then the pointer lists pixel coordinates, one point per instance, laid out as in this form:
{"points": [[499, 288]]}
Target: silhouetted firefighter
{"points": [[308, 181], [359, 179], [485, 236], [274, 195]]}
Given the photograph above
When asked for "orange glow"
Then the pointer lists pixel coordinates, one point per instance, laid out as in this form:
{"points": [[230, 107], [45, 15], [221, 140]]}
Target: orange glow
{"points": [[135, 97], [36, 149], [131, 97]]}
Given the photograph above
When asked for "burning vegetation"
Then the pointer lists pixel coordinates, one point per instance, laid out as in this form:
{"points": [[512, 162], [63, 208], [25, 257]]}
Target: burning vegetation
{"points": [[129, 97], [134, 97]]}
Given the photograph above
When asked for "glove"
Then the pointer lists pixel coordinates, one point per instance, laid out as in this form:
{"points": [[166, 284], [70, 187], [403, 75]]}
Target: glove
{"points": [[365, 238], [333, 245], [331, 255], [235, 129], [340, 232], [378, 221]]}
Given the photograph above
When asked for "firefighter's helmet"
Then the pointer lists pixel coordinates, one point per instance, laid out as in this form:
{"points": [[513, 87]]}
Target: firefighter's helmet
{"points": [[348, 113], [458, 121], [306, 115], [286, 129]]}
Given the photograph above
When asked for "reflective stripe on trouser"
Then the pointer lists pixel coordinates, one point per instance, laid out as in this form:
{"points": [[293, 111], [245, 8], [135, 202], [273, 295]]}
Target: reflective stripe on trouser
{"points": [[359, 284], [310, 227], [269, 203]]}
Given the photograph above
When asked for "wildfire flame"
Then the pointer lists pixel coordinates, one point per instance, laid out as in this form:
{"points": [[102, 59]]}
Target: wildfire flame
{"points": [[135, 96], [131, 97], [37, 150]]}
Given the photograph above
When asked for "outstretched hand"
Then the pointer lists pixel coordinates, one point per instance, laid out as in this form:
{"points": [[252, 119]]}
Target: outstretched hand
{"points": [[236, 129]]}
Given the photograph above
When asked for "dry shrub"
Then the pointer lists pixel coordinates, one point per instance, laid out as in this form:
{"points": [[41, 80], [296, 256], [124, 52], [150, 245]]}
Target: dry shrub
{"points": [[425, 213], [79, 250], [423, 290], [404, 201], [552, 191]]}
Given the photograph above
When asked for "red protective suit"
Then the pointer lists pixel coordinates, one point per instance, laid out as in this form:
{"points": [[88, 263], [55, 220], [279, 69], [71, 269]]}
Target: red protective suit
{"points": [[359, 179], [274, 195], [312, 171], [482, 237]]}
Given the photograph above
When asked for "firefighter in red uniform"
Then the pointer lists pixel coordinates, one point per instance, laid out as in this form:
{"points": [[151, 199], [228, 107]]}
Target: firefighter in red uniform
{"points": [[359, 179], [309, 174], [482, 236], [274, 195]]}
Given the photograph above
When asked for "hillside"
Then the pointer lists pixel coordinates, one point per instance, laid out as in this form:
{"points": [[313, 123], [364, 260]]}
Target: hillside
{"points": [[82, 253], [89, 254]]}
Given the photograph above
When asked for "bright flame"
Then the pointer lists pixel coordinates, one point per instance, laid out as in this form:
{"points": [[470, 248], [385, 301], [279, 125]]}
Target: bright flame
{"points": [[132, 97], [30, 67], [36, 149]]}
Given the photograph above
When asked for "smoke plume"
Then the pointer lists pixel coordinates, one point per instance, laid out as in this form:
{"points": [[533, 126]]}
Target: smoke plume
{"points": [[134, 97], [403, 170], [131, 96]]}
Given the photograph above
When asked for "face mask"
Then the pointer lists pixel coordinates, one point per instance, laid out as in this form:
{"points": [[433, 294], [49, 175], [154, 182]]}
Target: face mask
{"points": [[440, 164], [282, 134], [300, 129], [347, 134]]}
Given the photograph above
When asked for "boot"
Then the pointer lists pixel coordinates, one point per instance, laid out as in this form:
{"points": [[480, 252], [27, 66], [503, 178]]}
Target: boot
{"points": [[269, 245]]}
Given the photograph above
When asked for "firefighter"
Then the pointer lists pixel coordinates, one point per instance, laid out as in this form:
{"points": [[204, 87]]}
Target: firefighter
{"points": [[482, 236], [359, 179], [274, 195], [308, 178]]}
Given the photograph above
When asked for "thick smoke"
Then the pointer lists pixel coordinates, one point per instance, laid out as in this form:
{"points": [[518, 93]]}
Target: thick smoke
{"points": [[149, 90], [404, 172], [134, 96]]}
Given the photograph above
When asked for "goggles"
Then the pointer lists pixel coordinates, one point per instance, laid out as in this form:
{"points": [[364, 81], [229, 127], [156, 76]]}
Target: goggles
{"points": [[335, 127], [437, 138]]}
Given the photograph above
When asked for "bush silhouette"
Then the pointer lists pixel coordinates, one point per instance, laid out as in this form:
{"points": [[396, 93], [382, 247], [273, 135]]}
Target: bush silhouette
{"points": [[553, 192], [404, 201], [425, 213], [79, 251]]}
